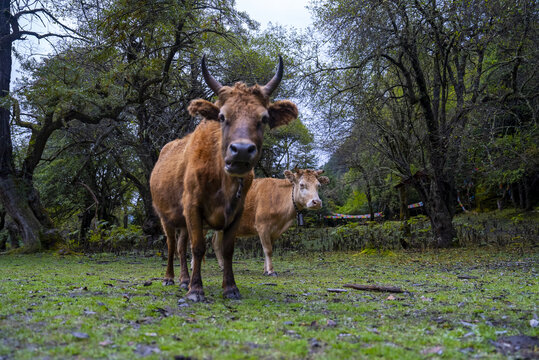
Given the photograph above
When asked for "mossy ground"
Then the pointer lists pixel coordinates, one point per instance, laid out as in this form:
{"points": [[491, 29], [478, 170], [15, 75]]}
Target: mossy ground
{"points": [[103, 306]]}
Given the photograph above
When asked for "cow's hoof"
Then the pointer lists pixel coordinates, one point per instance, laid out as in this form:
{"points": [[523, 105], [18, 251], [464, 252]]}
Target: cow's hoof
{"points": [[184, 285], [167, 282], [270, 274], [233, 294], [195, 296]]}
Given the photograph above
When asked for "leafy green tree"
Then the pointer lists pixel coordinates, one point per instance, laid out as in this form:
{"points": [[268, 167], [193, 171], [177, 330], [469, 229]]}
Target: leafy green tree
{"points": [[17, 193], [410, 74], [285, 148], [132, 81]]}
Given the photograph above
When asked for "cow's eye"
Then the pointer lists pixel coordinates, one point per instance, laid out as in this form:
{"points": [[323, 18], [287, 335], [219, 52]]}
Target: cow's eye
{"points": [[302, 186], [221, 118], [265, 118]]}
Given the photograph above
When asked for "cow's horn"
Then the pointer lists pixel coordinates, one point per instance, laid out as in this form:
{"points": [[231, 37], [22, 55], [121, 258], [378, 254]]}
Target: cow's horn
{"points": [[274, 82], [210, 80]]}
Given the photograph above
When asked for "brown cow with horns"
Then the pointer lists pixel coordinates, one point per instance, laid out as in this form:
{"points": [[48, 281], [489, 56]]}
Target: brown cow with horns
{"points": [[203, 178]]}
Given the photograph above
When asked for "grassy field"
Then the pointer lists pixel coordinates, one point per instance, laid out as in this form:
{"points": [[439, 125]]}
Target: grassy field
{"points": [[459, 303]]}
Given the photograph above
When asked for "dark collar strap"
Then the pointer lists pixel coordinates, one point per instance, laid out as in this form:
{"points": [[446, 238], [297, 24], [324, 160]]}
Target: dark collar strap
{"points": [[299, 214], [240, 188]]}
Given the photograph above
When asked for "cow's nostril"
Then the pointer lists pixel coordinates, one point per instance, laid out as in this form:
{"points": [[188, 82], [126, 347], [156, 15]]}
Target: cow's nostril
{"points": [[242, 151]]}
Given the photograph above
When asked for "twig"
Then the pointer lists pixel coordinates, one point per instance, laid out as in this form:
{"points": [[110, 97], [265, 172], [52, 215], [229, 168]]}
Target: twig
{"points": [[393, 289]]}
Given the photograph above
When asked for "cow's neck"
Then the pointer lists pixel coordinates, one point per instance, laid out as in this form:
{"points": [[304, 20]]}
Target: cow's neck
{"points": [[234, 197]]}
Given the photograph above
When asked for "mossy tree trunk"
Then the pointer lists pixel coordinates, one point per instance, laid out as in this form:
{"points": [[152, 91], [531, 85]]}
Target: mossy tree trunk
{"points": [[17, 194]]}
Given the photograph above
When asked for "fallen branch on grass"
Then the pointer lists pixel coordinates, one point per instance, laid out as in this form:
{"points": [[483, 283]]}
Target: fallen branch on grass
{"points": [[392, 289]]}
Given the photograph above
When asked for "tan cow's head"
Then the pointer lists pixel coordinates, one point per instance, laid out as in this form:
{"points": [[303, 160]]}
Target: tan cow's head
{"points": [[306, 183], [243, 113]]}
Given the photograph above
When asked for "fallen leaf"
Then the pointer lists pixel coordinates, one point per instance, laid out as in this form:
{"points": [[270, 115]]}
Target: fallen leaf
{"points": [[106, 343], [534, 323], [161, 311], [390, 297], [146, 350], [80, 335], [522, 344], [151, 334], [467, 277], [331, 323], [433, 350]]}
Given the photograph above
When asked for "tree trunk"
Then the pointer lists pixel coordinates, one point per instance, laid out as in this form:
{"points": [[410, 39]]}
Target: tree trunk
{"points": [[436, 197], [17, 207], [521, 195], [440, 214], [13, 194], [403, 215]]}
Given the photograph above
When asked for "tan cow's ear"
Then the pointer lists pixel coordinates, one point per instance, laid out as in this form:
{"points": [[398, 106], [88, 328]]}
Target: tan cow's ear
{"points": [[204, 108], [290, 176], [324, 180], [281, 113]]}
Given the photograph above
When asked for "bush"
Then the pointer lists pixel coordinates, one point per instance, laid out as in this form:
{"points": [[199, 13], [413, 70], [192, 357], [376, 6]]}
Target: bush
{"points": [[117, 239]]}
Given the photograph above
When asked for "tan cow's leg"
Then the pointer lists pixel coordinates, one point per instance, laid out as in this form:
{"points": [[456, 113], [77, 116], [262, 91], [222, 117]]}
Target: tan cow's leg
{"points": [[217, 242], [198, 248], [183, 239], [265, 239], [170, 232]]}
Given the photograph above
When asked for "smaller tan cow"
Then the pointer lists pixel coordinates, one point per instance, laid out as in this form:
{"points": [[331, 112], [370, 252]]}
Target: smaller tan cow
{"points": [[271, 207]]}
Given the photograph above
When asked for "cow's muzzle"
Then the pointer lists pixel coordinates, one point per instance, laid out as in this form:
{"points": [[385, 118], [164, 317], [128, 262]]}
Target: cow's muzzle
{"points": [[240, 158], [314, 204]]}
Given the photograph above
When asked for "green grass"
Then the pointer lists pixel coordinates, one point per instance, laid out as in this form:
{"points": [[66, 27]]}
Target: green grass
{"points": [[97, 306]]}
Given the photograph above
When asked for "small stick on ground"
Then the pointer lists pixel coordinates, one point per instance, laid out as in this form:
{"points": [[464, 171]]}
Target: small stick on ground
{"points": [[392, 289]]}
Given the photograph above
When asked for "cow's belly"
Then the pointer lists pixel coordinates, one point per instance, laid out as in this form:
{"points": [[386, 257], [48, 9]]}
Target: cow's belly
{"points": [[174, 216]]}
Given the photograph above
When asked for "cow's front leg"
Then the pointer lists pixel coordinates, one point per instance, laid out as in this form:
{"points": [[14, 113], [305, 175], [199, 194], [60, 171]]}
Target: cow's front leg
{"points": [[183, 239], [230, 290], [217, 243], [170, 233], [265, 239], [198, 248]]}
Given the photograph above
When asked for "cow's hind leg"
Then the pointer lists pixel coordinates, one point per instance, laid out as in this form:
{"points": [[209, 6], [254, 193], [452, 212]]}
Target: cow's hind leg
{"points": [[170, 233], [217, 243], [198, 248], [183, 239], [267, 245]]}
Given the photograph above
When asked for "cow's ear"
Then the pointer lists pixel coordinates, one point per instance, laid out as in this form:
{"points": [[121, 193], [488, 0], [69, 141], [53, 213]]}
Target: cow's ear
{"points": [[281, 113], [204, 108], [290, 176], [324, 180]]}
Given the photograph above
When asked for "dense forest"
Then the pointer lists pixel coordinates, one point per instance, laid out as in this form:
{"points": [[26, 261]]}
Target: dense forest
{"points": [[401, 102]]}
